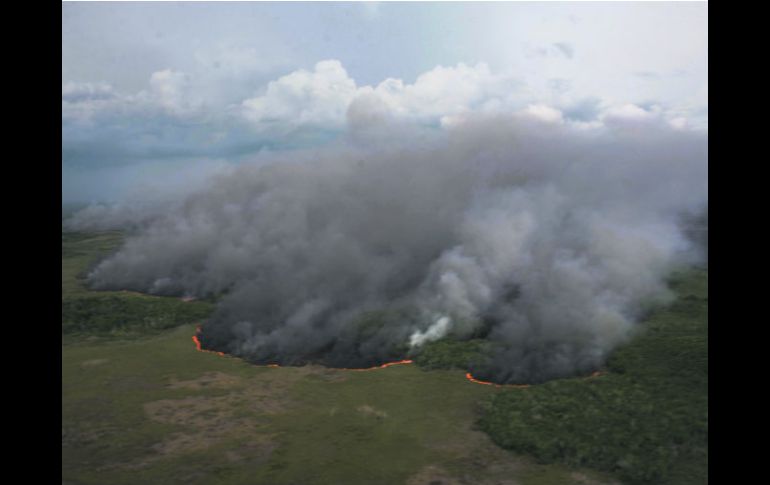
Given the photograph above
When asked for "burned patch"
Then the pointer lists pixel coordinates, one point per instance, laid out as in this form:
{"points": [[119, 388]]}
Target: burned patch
{"points": [[209, 380]]}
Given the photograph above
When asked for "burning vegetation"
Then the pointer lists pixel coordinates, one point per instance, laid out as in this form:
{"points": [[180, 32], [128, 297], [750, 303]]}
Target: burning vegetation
{"points": [[468, 375]]}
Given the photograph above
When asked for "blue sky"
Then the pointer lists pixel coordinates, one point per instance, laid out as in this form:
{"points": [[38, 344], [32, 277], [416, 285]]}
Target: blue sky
{"points": [[156, 96]]}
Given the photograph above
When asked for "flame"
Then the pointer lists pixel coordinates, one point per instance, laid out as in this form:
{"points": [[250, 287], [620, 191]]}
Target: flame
{"points": [[197, 342], [468, 375], [388, 364], [487, 383]]}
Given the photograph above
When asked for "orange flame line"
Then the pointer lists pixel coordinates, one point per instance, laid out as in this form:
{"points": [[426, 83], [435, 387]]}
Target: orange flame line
{"points": [[197, 342], [487, 383], [468, 376], [383, 366], [388, 364]]}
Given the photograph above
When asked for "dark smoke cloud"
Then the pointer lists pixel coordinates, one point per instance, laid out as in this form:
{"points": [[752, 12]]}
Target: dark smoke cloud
{"points": [[549, 238]]}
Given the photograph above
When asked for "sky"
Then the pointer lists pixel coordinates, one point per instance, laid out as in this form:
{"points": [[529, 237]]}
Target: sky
{"points": [[159, 96]]}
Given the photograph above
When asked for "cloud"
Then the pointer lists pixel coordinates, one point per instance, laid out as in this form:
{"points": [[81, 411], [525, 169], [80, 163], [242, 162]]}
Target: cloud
{"points": [[631, 116], [323, 96], [329, 97], [180, 116], [566, 49], [647, 75], [301, 102], [303, 97], [563, 50], [371, 9], [104, 128], [585, 109], [79, 92], [447, 91], [172, 91], [544, 113]]}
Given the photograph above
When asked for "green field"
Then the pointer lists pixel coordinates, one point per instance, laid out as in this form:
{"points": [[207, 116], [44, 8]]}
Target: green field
{"points": [[141, 405]]}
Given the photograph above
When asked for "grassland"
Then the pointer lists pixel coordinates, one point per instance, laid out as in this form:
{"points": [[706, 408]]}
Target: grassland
{"points": [[157, 411], [141, 405]]}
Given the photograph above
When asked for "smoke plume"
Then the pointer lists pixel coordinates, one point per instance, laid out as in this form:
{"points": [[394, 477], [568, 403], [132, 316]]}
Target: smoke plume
{"points": [[547, 238]]}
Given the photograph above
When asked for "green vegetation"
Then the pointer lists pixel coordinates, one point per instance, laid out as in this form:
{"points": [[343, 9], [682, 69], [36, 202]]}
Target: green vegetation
{"points": [[113, 314], [79, 252], [450, 354], [646, 421], [110, 315], [367, 324]]}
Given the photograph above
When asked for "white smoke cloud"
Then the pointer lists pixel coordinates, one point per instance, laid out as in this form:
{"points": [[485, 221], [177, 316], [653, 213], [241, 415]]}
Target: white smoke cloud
{"points": [[434, 332], [548, 236]]}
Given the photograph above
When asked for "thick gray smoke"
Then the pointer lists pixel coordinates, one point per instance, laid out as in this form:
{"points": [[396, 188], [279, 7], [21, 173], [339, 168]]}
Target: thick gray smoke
{"points": [[548, 239]]}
